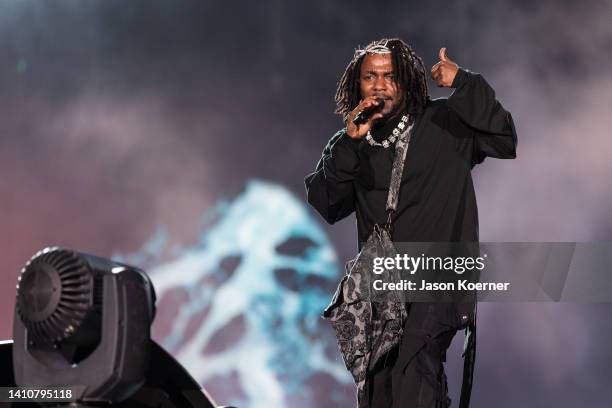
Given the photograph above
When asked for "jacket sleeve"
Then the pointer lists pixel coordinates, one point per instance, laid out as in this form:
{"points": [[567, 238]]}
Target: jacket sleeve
{"points": [[330, 188], [491, 126]]}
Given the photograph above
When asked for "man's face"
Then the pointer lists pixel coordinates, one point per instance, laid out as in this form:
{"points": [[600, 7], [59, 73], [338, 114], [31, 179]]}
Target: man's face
{"points": [[378, 78]]}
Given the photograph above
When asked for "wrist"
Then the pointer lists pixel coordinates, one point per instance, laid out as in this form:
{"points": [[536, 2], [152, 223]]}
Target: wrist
{"points": [[351, 141], [461, 76], [352, 134]]}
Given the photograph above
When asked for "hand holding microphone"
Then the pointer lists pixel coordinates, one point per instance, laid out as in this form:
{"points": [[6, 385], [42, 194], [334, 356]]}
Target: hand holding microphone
{"points": [[361, 119]]}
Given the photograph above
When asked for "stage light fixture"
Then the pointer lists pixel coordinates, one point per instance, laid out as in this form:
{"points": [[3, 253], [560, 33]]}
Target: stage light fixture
{"points": [[84, 322]]}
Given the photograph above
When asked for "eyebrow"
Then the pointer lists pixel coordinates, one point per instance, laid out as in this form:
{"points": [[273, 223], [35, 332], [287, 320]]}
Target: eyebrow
{"points": [[379, 72]]}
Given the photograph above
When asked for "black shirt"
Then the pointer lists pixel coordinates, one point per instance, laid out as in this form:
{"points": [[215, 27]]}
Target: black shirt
{"points": [[437, 200]]}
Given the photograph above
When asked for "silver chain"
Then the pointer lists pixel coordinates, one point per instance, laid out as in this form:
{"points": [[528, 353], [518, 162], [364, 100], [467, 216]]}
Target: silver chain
{"points": [[392, 137]]}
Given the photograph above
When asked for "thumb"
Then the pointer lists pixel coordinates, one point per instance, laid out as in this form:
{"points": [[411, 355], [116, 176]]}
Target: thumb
{"points": [[442, 54]]}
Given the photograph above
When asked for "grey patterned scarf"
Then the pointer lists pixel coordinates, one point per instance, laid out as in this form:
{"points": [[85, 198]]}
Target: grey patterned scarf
{"points": [[367, 326]]}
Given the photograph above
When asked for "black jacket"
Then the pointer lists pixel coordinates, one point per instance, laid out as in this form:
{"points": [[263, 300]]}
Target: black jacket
{"points": [[437, 201]]}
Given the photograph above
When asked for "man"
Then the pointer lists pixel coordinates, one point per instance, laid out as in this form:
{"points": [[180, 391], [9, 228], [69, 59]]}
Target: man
{"points": [[437, 202]]}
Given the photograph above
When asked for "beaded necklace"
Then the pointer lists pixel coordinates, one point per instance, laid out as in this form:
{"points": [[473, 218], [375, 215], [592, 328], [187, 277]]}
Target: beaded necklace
{"points": [[392, 137]]}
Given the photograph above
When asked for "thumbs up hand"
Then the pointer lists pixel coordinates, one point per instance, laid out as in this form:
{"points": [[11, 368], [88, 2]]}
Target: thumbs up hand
{"points": [[444, 71]]}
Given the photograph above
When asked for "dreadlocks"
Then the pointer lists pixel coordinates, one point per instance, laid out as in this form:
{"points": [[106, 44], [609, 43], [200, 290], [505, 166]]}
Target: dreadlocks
{"points": [[410, 76]]}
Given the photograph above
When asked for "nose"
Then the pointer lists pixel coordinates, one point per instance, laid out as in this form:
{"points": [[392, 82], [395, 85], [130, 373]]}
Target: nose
{"points": [[380, 84]]}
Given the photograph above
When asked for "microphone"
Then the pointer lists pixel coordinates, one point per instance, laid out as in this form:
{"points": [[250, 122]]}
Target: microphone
{"points": [[364, 115]]}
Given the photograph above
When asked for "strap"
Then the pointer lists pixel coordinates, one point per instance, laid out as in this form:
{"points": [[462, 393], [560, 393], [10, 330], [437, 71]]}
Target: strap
{"points": [[401, 148], [469, 360]]}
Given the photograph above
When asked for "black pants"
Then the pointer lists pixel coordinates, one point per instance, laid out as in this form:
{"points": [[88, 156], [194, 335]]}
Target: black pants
{"points": [[412, 375]]}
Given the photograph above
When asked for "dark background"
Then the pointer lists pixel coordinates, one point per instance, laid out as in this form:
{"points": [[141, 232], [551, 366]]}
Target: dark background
{"points": [[117, 117]]}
